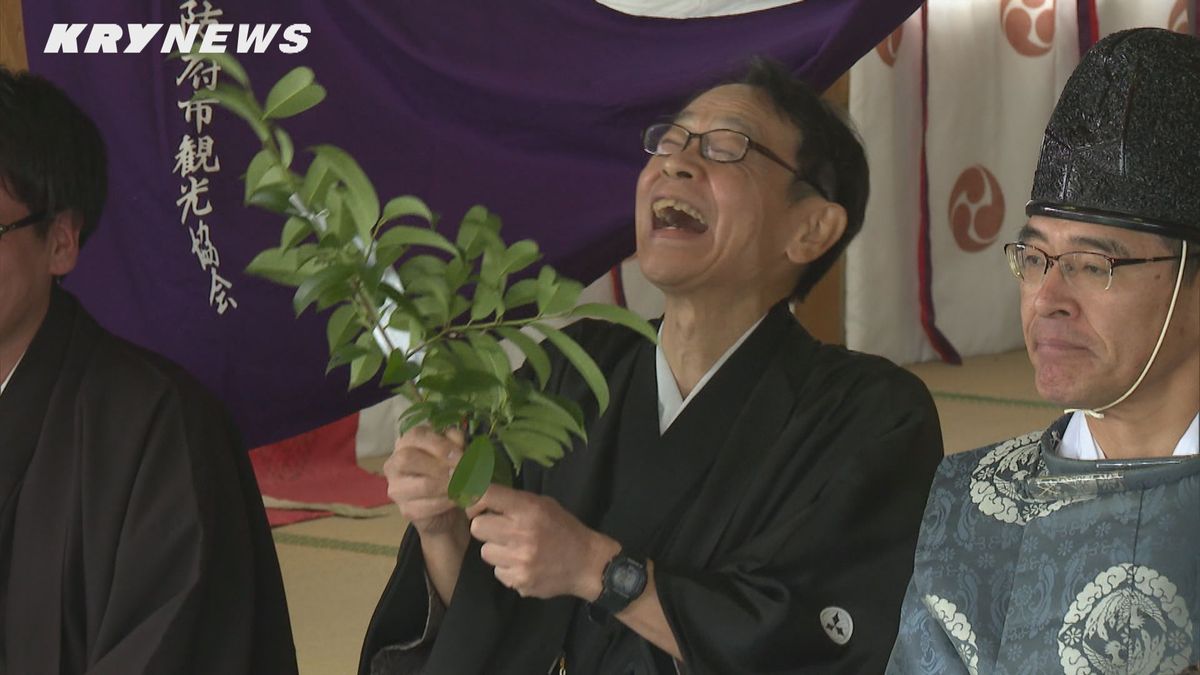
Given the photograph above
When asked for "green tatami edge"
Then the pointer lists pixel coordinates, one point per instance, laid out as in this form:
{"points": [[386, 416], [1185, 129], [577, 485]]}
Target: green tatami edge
{"points": [[309, 541], [996, 400]]}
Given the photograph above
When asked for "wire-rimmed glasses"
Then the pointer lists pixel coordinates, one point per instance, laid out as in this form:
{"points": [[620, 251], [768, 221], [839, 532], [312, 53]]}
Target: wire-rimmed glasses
{"points": [[1083, 270]]}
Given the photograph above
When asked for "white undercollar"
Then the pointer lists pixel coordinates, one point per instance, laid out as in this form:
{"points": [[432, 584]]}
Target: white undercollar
{"points": [[4, 384], [1078, 442], [670, 401]]}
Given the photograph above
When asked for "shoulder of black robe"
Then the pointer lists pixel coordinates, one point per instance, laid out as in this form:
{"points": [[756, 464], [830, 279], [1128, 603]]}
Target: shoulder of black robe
{"points": [[813, 519], [813, 504], [139, 541]]}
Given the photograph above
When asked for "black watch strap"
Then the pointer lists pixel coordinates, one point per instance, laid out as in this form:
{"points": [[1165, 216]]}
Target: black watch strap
{"points": [[624, 579]]}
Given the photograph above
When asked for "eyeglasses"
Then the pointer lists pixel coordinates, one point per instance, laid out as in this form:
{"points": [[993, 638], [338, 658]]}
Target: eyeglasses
{"points": [[719, 145], [1083, 270], [31, 219]]}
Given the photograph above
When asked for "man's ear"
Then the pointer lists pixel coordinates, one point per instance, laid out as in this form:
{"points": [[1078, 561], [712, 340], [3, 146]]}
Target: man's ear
{"points": [[63, 242], [823, 224]]}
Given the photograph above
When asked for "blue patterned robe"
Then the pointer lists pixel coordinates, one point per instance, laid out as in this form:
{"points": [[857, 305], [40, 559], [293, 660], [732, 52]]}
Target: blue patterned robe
{"points": [[1032, 563]]}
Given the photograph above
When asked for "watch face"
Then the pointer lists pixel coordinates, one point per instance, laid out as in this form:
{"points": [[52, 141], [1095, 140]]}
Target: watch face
{"points": [[627, 578]]}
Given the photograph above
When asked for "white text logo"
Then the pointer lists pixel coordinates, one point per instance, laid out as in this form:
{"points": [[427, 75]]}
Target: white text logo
{"points": [[215, 38]]}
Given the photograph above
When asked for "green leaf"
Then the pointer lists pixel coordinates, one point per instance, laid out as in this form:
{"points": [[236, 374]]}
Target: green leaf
{"points": [[415, 414], [318, 283], [274, 198], [406, 205], [363, 368], [468, 357], [492, 353], [458, 306], [308, 253], [340, 326], [491, 271], [565, 297], [420, 266], [535, 356], [547, 284], [548, 411], [522, 444], [476, 216], [240, 103], [407, 235], [345, 354], [259, 172], [334, 295], [353, 209], [485, 303], [520, 255], [556, 294], [364, 202], [554, 431], [338, 218], [478, 233], [399, 370], [521, 293], [294, 231], [456, 273], [405, 317], [583, 363], [502, 473], [293, 94], [432, 297], [474, 472], [317, 181], [461, 383], [287, 151], [444, 416], [566, 405], [618, 315], [278, 265], [431, 309]]}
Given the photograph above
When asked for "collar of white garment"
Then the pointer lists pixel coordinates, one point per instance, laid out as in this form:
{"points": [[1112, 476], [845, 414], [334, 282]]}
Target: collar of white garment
{"points": [[4, 384], [1078, 443], [670, 402]]}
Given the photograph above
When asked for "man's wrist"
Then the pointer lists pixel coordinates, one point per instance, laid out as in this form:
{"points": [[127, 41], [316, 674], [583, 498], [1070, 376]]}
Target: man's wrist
{"points": [[453, 538], [602, 549]]}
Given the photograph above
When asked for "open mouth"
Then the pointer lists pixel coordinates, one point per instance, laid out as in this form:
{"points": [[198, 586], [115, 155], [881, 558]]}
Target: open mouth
{"points": [[672, 214]]}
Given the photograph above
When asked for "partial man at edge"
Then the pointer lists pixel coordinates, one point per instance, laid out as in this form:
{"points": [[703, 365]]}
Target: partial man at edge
{"points": [[132, 533]]}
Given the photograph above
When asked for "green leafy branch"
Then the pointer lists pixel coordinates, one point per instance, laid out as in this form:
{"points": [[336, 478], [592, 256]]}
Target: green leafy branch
{"points": [[423, 313]]}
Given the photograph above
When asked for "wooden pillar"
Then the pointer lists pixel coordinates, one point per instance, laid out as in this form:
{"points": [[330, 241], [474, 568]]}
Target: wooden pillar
{"points": [[12, 36], [823, 312]]}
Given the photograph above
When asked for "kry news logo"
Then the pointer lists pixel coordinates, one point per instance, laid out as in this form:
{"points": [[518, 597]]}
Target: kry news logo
{"points": [[215, 38]]}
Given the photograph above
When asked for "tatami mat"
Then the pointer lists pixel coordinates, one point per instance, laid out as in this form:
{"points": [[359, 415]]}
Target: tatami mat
{"points": [[986, 399], [333, 579], [335, 568]]}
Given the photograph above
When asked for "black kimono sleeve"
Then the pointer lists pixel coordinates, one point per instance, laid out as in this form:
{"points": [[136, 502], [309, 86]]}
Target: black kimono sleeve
{"points": [[180, 572], [139, 541]]}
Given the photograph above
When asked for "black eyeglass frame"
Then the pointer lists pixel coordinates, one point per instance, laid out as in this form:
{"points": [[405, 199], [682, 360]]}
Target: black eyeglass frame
{"points": [[751, 144], [1051, 260], [31, 219]]}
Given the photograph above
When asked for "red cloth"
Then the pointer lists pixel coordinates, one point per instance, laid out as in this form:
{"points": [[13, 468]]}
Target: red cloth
{"points": [[319, 466]]}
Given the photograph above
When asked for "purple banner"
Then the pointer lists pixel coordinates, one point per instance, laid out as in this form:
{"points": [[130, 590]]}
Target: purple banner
{"points": [[530, 107]]}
